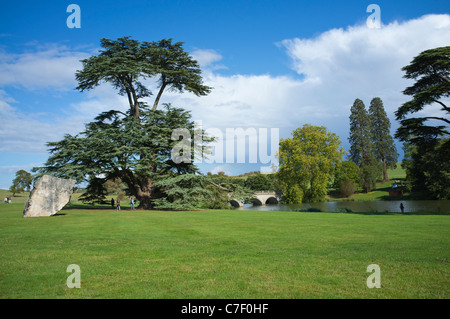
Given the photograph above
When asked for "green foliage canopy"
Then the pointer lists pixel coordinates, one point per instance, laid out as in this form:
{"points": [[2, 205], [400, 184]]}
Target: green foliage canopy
{"points": [[307, 161], [346, 171], [426, 138], [428, 169], [362, 141], [431, 72], [21, 182], [383, 143], [117, 146], [259, 182], [360, 138], [135, 147], [125, 63]]}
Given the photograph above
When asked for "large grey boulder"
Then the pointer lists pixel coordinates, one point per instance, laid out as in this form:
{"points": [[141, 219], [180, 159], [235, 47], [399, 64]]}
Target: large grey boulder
{"points": [[49, 195]]}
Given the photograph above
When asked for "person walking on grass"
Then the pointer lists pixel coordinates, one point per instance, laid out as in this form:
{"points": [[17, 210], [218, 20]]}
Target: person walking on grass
{"points": [[118, 205], [402, 208], [132, 203]]}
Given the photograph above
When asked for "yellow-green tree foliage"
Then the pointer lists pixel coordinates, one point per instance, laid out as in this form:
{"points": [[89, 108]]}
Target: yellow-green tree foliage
{"points": [[307, 162]]}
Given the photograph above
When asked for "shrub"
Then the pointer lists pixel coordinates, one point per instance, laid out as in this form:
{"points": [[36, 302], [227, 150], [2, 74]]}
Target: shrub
{"points": [[293, 195], [347, 188]]}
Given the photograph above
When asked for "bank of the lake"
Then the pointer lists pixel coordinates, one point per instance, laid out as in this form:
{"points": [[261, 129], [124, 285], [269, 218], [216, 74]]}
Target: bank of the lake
{"points": [[378, 200], [374, 206]]}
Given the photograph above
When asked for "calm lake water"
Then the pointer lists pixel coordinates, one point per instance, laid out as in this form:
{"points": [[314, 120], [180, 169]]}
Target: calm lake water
{"points": [[411, 206]]}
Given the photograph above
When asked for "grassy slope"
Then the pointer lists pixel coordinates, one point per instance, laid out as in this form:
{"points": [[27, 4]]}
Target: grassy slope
{"points": [[381, 190], [222, 254]]}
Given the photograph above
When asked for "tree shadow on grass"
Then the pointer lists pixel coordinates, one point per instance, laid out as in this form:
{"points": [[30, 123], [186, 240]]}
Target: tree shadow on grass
{"points": [[87, 207]]}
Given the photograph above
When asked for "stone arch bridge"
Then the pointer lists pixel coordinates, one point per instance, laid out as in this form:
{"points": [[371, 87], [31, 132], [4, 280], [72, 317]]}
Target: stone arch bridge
{"points": [[259, 198]]}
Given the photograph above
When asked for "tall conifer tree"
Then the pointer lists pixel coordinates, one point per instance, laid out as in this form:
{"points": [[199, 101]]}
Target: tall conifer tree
{"points": [[134, 146], [361, 145], [383, 143], [427, 138], [360, 138]]}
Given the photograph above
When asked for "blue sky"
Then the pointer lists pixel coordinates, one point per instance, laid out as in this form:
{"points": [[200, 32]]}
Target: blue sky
{"points": [[273, 64]]}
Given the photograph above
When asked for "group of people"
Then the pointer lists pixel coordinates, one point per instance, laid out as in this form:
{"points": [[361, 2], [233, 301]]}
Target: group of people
{"points": [[117, 203], [7, 200]]}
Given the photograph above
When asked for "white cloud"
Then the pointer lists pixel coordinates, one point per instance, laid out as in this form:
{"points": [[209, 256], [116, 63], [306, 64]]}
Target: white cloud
{"points": [[12, 169], [46, 66], [25, 133], [334, 68], [207, 59], [363, 62], [41, 72]]}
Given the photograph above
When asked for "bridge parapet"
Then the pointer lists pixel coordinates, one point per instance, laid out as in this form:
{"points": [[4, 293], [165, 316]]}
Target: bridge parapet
{"points": [[260, 198]]}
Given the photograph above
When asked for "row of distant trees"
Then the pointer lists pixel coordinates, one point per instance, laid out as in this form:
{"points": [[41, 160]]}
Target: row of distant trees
{"points": [[134, 148], [312, 158], [372, 147], [219, 185]]}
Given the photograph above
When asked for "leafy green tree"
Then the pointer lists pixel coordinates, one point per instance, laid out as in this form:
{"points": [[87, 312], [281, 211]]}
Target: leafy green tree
{"points": [[135, 147], [114, 186], [370, 171], [216, 199], [428, 169], [22, 182], [435, 165], [98, 188], [347, 188], [293, 194], [95, 192], [259, 182], [117, 146], [198, 191], [384, 147], [183, 191], [346, 171], [360, 138], [307, 162]]}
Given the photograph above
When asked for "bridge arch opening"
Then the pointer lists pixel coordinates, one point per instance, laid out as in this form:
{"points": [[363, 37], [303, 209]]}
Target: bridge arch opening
{"points": [[234, 203], [271, 201], [256, 202]]}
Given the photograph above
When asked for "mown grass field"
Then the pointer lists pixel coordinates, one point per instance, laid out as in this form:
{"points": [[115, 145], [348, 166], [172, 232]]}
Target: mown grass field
{"points": [[222, 254]]}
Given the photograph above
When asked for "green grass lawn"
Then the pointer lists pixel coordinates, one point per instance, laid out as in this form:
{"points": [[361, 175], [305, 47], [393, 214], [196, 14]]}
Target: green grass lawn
{"points": [[222, 254]]}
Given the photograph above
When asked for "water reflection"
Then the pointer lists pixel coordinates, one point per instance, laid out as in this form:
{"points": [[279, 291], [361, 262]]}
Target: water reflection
{"points": [[411, 206]]}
